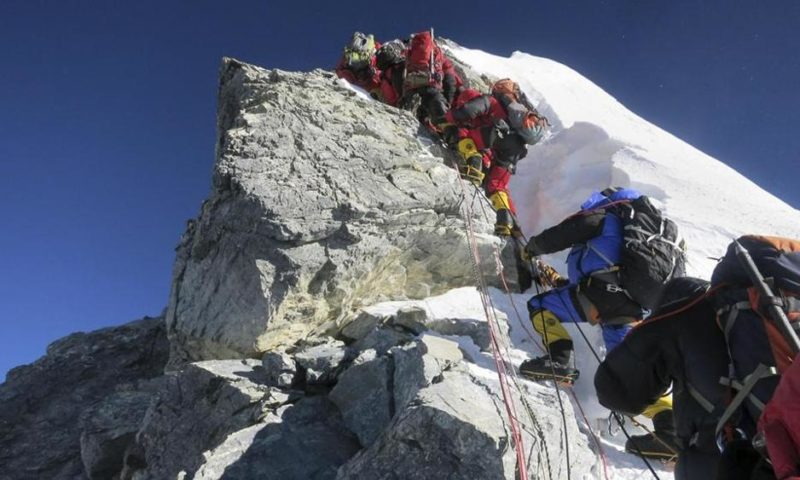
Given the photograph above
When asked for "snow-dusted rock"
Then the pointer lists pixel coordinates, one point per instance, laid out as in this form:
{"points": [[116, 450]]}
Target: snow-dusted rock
{"points": [[323, 362], [412, 318], [417, 365], [452, 430], [363, 323], [322, 202], [382, 340], [41, 403], [476, 330]]}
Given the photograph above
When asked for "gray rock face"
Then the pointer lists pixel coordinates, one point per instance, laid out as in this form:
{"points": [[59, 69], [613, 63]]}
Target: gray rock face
{"points": [[452, 430], [108, 428], [382, 340], [322, 202], [322, 362], [196, 410], [363, 395], [413, 319], [279, 369], [364, 323], [417, 366], [477, 331], [456, 428], [305, 441], [42, 402]]}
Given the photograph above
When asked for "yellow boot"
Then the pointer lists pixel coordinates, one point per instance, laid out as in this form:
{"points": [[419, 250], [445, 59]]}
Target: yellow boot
{"points": [[504, 225], [559, 365]]}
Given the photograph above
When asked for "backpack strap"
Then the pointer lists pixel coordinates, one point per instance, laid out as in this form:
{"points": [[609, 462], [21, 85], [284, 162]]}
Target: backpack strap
{"points": [[700, 398], [744, 389], [602, 256], [732, 314]]}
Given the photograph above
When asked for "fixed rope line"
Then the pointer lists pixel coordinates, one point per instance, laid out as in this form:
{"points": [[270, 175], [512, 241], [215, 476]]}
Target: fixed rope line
{"points": [[516, 381], [496, 351], [547, 351], [600, 450], [515, 378]]}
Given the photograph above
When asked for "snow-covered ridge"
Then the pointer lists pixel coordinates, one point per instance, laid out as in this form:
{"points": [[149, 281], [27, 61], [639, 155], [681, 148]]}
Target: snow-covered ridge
{"points": [[596, 142]]}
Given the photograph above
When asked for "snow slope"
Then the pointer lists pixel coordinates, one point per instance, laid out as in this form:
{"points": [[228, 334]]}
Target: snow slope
{"points": [[595, 142]]}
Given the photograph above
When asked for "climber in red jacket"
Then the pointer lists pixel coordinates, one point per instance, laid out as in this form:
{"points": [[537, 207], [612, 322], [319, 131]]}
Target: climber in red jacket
{"points": [[391, 61], [358, 63], [491, 133], [430, 82]]}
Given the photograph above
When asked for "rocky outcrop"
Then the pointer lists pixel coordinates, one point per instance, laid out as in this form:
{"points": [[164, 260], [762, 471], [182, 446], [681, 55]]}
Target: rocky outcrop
{"points": [[451, 430], [43, 404], [322, 202], [196, 409], [108, 429], [306, 440], [324, 205]]}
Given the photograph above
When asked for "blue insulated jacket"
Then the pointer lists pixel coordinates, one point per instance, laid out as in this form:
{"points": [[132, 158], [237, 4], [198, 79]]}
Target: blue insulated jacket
{"points": [[605, 250]]}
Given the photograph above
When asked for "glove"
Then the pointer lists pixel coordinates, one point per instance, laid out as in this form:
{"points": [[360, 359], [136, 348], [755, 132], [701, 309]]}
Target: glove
{"points": [[549, 275]]}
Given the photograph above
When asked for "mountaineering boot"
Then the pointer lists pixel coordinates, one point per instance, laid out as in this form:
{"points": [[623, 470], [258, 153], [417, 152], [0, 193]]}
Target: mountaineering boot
{"points": [[561, 368], [505, 218], [660, 443], [470, 170], [504, 224]]}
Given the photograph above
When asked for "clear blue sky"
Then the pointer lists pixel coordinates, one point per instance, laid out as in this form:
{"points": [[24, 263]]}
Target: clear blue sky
{"points": [[108, 112]]}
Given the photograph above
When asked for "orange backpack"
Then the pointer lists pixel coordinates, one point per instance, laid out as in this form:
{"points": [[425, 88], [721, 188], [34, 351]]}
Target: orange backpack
{"points": [[522, 116]]}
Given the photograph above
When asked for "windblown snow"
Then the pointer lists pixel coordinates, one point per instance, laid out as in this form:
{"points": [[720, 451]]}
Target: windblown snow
{"points": [[595, 142]]}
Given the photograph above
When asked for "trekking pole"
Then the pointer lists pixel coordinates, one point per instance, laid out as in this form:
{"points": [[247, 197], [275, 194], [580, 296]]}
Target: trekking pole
{"points": [[773, 303]]}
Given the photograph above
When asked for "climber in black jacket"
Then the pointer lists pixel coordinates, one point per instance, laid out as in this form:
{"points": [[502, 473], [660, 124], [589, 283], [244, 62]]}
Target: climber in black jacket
{"points": [[680, 345]]}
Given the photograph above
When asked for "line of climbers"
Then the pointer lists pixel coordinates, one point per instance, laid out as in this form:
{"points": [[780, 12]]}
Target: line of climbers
{"points": [[490, 132], [724, 349]]}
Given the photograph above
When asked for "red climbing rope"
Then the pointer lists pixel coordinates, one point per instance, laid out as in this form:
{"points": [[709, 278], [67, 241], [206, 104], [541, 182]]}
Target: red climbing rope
{"points": [[500, 363]]}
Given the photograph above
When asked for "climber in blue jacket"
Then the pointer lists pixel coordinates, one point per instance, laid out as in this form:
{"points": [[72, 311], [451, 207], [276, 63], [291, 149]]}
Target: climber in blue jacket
{"points": [[591, 294]]}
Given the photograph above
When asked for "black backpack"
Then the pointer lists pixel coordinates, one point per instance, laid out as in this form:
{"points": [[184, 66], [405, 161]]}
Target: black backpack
{"points": [[390, 53], [652, 251]]}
